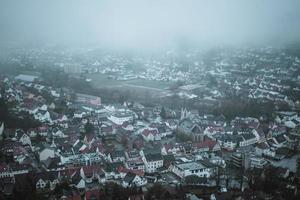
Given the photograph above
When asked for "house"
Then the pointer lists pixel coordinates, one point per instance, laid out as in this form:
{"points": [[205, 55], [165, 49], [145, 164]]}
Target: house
{"points": [[264, 149], [211, 130], [172, 149], [45, 153], [132, 179], [282, 152], [13, 170], [162, 129], [279, 140], [258, 162], [259, 134], [135, 164], [121, 117], [40, 184], [25, 139], [228, 141], [150, 135], [287, 115], [248, 139], [123, 171], [90, 173], [292, 141], [79, 114], [56, 132], [52, 164], [117, 156], [168, 160], [111, 170], [190, 168], [276, 130], [45, 180], [42, 115], [153, 162], [206, 145]]}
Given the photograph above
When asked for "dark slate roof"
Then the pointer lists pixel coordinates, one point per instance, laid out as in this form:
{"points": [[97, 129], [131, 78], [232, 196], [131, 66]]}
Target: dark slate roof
{"points": [[248, 136], [113, 167], [280, 139], [129, 177], [52, 163], [193, 179], [118, 153], [169, 157], [151, 150], [153, 157], [229, 138]]}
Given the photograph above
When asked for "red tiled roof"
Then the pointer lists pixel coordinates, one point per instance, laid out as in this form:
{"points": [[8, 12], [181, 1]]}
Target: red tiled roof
{"points": [[147, 132], [134, 171], [262, 145], [90, 170], [208, 143], [171, 146], [94, 193]]}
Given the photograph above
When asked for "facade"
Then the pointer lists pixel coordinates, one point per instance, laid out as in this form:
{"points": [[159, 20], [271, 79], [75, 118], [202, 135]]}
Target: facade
{"points": [[256, 162], [121, 117], [132, 179], [88, 99], [191, 168], [153, 162], [248, 139]]}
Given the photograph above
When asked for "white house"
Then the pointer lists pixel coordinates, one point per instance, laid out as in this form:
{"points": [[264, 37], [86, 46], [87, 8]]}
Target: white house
{"points": [[153, 162], [45, 180], [248, 139], [40, 184], [132, 179], [25, 139], [258, 162], [191, 168], [42, 115], [46, 153], [57, 133]]}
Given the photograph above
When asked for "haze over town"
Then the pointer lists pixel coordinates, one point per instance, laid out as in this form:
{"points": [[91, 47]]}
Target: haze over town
{"points": [[140, 99], [144, 23]]}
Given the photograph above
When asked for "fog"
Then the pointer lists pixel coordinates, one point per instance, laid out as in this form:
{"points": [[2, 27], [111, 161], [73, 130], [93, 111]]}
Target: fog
{"points": [[150, 23]]}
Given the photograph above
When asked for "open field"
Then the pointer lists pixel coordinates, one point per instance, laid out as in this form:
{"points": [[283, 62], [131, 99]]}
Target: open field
{"points": [[102, 81]]}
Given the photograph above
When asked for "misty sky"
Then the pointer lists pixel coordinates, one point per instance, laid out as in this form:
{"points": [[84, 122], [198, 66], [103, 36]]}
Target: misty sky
{"points": [[150, 23]]}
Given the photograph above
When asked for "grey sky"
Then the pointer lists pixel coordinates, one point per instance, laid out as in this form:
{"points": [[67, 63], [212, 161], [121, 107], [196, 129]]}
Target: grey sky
{"points": [[150, 23]]}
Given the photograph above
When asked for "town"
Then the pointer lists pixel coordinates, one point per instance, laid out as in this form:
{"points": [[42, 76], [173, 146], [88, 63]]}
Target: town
{"points": [[189, 124]]}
